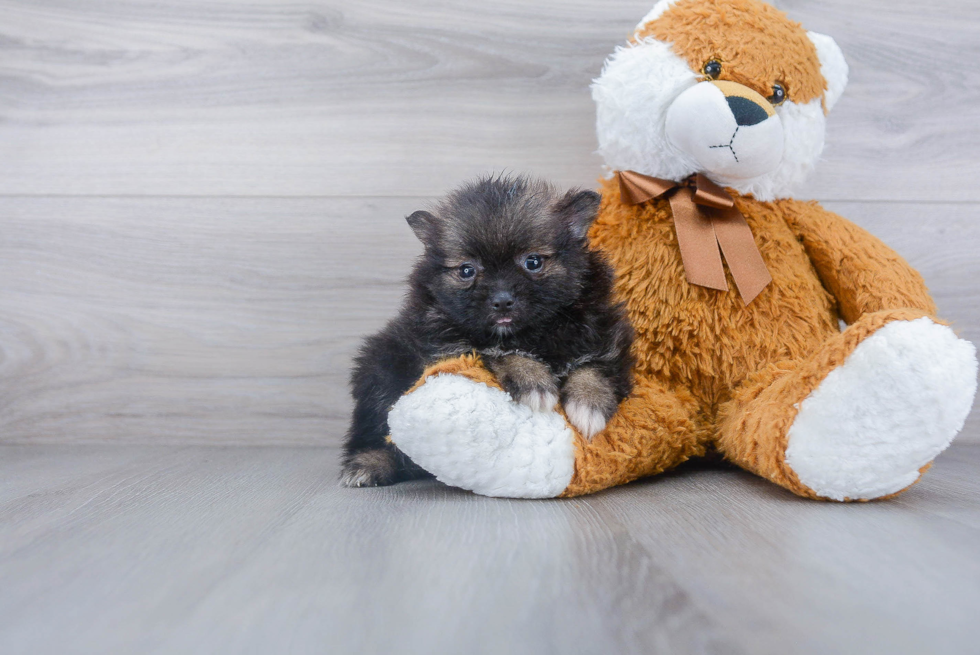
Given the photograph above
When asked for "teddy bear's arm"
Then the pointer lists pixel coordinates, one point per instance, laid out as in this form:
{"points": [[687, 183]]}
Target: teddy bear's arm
{"points": [[862, 273]]}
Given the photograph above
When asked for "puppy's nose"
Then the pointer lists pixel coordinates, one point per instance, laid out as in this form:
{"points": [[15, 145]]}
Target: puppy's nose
{"points": [[745, 111], [502, 300]]}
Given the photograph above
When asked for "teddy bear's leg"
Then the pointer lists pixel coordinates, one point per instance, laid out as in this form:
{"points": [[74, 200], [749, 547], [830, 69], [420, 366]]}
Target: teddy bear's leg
{"points": [[654, 430], [458, 424], [863, 417]]}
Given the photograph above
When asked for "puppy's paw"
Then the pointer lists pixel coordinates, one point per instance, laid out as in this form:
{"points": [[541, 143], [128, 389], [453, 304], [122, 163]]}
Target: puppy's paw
{"points": [[539, 400], [587, 419], [589, 401], [529, 382], [370, 468]]}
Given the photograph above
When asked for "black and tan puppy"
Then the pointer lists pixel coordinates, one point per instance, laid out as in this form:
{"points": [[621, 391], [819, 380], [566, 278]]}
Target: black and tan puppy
{"points": [[507, 272]]}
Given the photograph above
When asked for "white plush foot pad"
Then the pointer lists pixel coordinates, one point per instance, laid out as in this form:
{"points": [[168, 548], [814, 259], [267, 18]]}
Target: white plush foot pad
{"points": [[896, 402], [472, 436]]}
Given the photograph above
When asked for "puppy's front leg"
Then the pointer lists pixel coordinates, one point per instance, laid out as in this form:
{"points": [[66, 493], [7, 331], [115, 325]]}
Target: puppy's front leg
{"points": [[589, 400], [528, 381]]}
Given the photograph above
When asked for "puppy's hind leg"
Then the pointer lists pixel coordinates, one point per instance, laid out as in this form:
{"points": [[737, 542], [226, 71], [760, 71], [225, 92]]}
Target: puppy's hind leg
{"points": [[375, 467], [379, 467]]}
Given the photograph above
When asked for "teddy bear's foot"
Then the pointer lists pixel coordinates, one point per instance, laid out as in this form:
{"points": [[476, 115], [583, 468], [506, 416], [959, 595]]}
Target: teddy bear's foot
{"points": [[877, 420], [474, 436]]}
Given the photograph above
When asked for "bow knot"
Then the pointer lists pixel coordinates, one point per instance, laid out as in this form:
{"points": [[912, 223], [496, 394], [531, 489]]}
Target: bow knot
{"points": [[707, 224]]}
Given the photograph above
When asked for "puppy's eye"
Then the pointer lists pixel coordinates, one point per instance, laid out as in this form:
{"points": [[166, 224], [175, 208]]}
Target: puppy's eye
{"points": [[778, 95], [533, 263], [712, 69], [466, 271]]}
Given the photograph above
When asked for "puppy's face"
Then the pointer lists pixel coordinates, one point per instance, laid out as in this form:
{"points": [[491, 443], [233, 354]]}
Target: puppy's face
{"points": [[505, 254]]}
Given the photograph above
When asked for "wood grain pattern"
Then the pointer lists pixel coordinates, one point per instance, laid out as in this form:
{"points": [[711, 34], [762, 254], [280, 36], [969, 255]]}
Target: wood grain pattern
{"points": [[392, 98], [257, 550], [168, 320], [861, 578], [224, 321]]}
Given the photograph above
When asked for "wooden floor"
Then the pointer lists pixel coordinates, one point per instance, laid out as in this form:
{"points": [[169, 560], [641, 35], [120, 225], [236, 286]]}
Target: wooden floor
{"points": [[201, 214], [139, 549]]}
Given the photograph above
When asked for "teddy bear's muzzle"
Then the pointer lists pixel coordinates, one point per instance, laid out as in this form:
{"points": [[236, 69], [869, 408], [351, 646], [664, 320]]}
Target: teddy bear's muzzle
{"points": [[729, 129]]}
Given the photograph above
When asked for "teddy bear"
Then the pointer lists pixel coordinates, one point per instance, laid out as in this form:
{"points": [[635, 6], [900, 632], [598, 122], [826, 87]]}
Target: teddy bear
{"points": [[769, 331]]}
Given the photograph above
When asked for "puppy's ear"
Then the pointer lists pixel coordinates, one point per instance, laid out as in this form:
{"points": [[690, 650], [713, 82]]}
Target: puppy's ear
{"points": [[424, 225], [578, 209]]}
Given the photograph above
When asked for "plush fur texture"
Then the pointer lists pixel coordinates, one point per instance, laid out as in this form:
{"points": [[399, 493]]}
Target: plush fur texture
{"points": [[718, 356], [631, 118], [756, 44], [924, 380], [776, 386], [833, 68], [536, 460], [641, 82], [507, 273]]}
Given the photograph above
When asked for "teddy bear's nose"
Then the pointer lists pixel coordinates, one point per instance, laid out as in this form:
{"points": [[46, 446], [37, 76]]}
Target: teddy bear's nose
{"points": [[747, 106], [745, 111]]}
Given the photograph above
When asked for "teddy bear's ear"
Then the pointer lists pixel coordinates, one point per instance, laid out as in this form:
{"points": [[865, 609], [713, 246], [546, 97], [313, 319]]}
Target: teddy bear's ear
{"points": [[655, 13], [833, 67], [578, 209]]}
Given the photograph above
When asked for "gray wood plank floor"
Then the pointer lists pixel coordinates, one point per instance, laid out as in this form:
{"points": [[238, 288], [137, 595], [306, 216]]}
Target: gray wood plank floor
{"points": [[141, 549]]}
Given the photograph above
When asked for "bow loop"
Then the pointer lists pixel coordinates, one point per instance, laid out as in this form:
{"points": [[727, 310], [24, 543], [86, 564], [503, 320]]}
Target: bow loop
{"points": [[709, 194], [638, 188], [707, 224]]}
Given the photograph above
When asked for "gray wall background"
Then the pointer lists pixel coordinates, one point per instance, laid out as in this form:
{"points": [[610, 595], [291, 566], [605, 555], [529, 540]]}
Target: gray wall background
{"points": [[202, 202]]}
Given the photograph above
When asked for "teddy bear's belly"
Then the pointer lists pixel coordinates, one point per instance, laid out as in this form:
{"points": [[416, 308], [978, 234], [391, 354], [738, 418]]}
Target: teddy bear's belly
{"points": [[705, 340]]}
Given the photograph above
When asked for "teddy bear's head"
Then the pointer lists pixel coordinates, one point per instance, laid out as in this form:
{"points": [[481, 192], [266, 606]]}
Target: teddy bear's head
{"points": [[729, 88]]}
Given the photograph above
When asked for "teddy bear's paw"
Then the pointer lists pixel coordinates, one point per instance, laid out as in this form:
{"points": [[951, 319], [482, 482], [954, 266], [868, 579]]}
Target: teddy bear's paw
{"points": [[894, 404], [476, 437]]}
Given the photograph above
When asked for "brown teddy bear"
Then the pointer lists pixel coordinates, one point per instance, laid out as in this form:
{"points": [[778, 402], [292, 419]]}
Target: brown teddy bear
{"points": [[708, 119]]}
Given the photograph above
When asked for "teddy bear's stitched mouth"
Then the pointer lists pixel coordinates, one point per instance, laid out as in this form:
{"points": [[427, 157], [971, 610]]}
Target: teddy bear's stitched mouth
{"points": [[729, 145]]}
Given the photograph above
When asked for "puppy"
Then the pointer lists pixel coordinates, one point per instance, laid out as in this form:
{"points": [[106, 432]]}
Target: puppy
{"points": [[507, 273]]}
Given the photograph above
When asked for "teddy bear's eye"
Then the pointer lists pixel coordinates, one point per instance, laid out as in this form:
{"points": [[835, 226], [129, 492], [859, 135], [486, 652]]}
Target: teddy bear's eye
{"points": [[712, 69], [778, 95]]}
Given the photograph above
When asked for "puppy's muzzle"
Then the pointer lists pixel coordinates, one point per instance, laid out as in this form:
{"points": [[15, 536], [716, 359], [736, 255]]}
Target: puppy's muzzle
{"points": [[730, 130]]}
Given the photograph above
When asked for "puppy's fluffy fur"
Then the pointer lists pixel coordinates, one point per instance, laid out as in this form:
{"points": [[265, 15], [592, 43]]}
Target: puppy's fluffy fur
{"points": [[507, 272]]}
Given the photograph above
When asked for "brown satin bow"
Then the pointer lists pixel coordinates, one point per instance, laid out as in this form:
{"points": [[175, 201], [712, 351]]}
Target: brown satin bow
{"points": [[705, 217]]}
